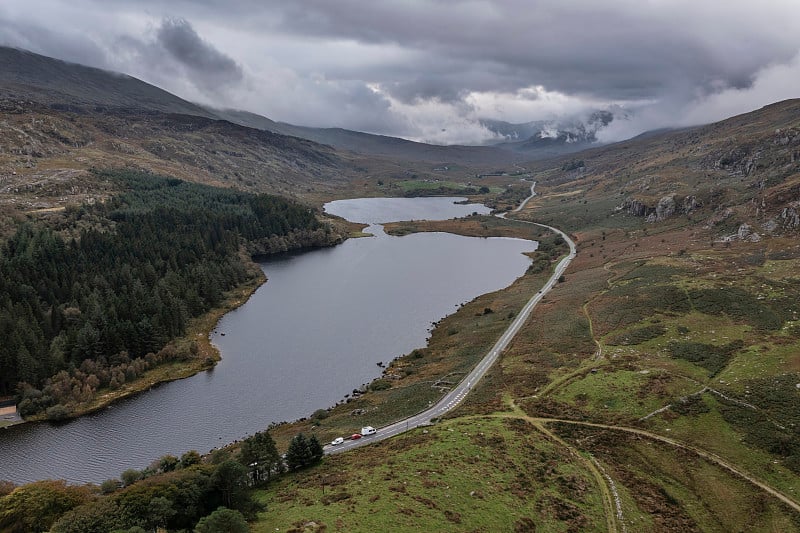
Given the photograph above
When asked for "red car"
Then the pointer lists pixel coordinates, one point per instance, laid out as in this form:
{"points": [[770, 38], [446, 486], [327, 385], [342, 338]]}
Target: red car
{"points": [[355, 436]]}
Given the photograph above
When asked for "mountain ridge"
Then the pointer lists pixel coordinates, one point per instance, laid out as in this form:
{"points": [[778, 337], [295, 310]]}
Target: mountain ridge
{"points": [[61, 83]]}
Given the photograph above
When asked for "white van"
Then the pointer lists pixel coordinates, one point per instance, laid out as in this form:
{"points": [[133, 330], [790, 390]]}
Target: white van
{"points": [[368, 430]]}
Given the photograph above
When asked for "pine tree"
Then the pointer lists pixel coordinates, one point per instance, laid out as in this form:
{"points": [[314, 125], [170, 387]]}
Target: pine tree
{"points": [[299, 453]]}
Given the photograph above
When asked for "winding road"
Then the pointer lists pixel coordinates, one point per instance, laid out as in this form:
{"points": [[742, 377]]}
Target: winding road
{"points": [[456, 395], [611, 503]]}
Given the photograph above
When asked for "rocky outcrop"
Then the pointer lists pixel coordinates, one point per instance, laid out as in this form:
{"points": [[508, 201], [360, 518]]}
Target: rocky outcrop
{"points": [[787, 220], [738, 161], [789, 217], [635, 208], [746, 233], [665, 208], [690, 204]]}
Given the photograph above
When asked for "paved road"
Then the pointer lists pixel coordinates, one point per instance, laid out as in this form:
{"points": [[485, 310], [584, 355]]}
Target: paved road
{"points": [[459, 392]]}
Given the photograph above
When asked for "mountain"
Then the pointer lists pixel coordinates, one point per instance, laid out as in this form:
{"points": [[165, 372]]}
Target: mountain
{"points": [[548, 137], [377, 145], [529, 140], [66, 86], [740, 176], [60, 120], [72, 87]]}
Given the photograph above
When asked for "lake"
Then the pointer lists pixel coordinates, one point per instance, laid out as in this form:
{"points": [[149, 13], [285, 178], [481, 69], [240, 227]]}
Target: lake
{"points": [[306, 338]]}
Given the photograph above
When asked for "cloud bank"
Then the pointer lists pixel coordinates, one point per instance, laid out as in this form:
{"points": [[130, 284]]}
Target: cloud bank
{"points": [[431, 69]]}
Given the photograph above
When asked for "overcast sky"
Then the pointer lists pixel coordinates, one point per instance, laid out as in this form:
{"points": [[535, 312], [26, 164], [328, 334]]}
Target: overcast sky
{"points": [[429, 69]]}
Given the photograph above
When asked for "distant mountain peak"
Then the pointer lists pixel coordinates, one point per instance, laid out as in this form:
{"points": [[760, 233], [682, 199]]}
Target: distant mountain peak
{"points": [[557, 135]]}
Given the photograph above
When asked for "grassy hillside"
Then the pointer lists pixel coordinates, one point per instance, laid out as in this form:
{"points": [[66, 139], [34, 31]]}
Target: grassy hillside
{"points": [[655, 390]]}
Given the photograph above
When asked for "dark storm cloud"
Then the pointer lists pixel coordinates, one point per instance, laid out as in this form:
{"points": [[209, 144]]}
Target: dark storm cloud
{"points": [[174, 56], [401, 66], [622, 50], [206, 63]]}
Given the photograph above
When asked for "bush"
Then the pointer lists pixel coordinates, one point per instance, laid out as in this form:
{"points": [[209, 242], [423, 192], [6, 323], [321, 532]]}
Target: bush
{"points": [[690, 406], [380, 384], [130, 476], [637, 336], [712, 358], [223, 520], [110, 485], [739, 304], [190, 458], [57, 412], [320, 414]]}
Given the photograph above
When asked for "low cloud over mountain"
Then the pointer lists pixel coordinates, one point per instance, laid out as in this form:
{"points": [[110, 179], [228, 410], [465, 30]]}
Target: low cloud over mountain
{"points": [[435, 71]]}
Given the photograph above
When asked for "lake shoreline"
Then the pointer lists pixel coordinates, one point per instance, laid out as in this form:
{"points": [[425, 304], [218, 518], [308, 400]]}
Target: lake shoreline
{"points": [[208, 356], [429, 363], [210, 333]]}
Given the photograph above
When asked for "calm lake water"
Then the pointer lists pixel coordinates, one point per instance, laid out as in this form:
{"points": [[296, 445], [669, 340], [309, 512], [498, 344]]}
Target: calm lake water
{"points": [[304, 340]]}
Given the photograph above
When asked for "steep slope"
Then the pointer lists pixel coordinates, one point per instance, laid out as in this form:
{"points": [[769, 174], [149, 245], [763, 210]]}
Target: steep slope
{"points": [[741, 171], [45, 154], [69, 86], [61, 119]]}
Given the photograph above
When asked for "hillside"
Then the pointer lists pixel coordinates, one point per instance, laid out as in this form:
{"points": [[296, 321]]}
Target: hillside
{"points": [[739, 178], [61, 119], [45, 155], [63, 85], [656, 390], [379, 145]]}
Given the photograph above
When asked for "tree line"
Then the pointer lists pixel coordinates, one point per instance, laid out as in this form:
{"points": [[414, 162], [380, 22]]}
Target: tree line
{"points": [[94, 300]]}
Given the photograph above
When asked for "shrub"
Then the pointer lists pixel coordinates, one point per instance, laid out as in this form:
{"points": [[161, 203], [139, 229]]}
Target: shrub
{"points": [[223, 520], [57, 412], [380, 384], [320, 414], [690, 406], [638, 335], [110, 485], [130, 476], [739, 304], [712, 358]]}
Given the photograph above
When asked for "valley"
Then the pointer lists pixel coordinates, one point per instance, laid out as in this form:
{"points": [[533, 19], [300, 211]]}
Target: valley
{"points": [[655, 388]]}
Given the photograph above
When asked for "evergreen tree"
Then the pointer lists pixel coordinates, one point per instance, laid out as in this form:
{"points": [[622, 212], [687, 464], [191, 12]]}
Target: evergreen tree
{"points": [[303, 451], [151, 259], [260, 455]]}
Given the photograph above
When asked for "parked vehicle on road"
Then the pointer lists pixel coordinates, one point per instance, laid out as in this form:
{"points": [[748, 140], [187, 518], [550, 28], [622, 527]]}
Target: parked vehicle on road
{"points": [[368, 430]]}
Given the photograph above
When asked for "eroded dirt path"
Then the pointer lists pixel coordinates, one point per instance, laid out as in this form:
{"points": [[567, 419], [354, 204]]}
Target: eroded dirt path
{"points": [[540, 422]]}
